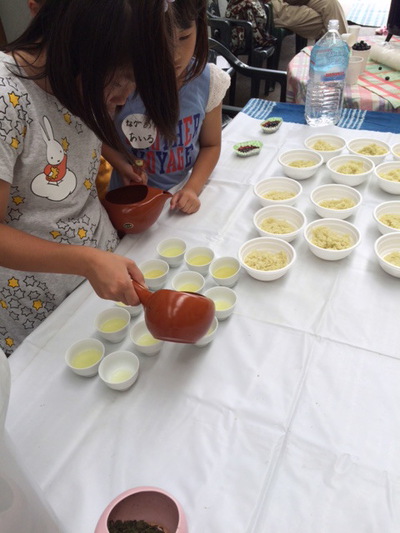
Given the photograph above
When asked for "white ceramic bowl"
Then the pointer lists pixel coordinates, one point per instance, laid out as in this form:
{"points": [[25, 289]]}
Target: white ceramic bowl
{"points": [[172, 251], [277, 186], [387, 208], [395, 149], [84, 357], [392, 187], [210, 335], [352, 180], [300, 173], [134, 310], [188, 281], [269, 245], [119, 370], [224, 300], [336, 225], [355, 145], [385, 245], [199, 259], [143, 340], [335, 192], [112, 324], [333, 140], [282, 213], [225, 270], [155, 272]]}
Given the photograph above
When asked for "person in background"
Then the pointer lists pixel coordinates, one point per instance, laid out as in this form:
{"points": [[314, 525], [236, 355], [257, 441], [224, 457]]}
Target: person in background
{"points": [[197, 145], [308, 18], [61, 83]]}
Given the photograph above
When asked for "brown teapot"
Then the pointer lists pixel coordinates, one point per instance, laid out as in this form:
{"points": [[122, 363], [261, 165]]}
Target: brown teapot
{"points": [[176, 316], [134, 208]]}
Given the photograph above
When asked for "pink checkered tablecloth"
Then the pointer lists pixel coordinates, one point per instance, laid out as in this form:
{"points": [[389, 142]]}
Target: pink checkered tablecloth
{"points": [[355, 96]]}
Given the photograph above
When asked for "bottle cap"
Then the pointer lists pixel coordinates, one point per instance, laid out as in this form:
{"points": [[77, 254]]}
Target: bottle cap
{"points": [[333, 24]]}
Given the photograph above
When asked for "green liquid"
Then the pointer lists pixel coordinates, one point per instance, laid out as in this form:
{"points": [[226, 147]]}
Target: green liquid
{"points": [[200, 260], [147, 340], [113, 324], [86, 358], [120, 375], [172, 252], [224, 272], [221, 305]]}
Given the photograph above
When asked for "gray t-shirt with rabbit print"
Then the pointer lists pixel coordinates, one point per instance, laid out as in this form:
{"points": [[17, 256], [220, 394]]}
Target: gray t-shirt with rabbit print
{"points": [[50, 159]]}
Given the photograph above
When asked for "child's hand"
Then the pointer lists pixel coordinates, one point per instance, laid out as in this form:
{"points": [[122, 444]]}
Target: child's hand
{"points": [[186, 200], [132, 173]]}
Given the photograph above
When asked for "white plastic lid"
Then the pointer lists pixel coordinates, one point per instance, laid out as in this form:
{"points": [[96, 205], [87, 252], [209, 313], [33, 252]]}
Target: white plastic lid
{"points": [[333, 25]]}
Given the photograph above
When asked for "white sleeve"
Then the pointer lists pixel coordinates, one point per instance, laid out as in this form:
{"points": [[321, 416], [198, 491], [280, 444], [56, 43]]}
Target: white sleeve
{"points": [[219, 83]]}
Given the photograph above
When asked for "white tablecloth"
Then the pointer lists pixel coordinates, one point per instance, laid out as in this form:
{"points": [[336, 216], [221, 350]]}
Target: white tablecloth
{"points": [[288, 422]]}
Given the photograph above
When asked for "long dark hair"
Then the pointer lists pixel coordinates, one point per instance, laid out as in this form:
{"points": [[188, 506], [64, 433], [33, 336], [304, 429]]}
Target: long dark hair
{"points": [[186, 12], [87, 41]]}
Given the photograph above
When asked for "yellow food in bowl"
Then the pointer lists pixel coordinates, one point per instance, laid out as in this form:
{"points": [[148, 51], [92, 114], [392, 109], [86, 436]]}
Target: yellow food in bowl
{"points": [[339, 203], [390, 219], [324, 146], [323, 237], [393, 258], [266, 260], [351, 167], [392, 175], [302, 163], [275, 225], [372, 149], [278, 195]]}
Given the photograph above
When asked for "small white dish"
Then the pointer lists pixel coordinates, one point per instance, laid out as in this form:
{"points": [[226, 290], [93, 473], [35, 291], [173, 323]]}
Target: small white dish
{"points": [[335, 192], [279, 216], [188, 281], [172, 251], [271, 124], [210, 335], [395, 150], [279, 190], [155, 272], [335, 226], [119, 370], [352, 180], [225, 270], [247, 148], [267, 245], [112, 324], [287, 159], [387, 217], [84, 357], [199, 259], [391, 186], [224, 300], [385, 246], [363, 146], [143, 340], [134, 310], [334, 143]]}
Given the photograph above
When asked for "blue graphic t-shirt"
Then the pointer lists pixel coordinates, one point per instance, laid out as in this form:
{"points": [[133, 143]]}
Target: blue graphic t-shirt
{"points": [[166, 164]]}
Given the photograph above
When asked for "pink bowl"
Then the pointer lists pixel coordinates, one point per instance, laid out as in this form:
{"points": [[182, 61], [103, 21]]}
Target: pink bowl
{"points": [[150, 504]]}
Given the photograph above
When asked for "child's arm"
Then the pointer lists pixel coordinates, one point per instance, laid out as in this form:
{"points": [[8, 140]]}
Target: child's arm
{"points": [[109, 274], [187, 198], [129, 172]]}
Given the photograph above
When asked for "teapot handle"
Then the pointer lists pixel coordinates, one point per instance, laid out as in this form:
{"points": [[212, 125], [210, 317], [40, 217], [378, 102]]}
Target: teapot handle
{"points": [[143, 294]]}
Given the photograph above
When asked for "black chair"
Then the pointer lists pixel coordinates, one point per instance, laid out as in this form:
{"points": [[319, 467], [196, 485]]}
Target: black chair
{"points": [[255, 74]]}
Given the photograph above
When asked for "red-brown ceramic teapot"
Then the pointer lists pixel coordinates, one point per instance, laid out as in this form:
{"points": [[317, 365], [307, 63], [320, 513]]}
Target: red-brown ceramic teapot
{"points": [[134, 208], [174, 315]]}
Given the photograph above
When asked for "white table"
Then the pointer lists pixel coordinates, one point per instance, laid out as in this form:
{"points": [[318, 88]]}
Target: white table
{"points": [[288, 422]]}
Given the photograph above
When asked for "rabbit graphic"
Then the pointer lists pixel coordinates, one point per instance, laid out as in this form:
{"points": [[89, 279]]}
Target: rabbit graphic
{"points": [[56, 182]]}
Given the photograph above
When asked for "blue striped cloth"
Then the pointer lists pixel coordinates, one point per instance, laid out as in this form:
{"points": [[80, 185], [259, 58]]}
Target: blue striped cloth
{"points": [[369, 12], [353, 119]]}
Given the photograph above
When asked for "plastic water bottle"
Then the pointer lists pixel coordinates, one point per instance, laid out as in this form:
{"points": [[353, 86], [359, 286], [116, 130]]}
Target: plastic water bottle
{"points": [[328, 65]]}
